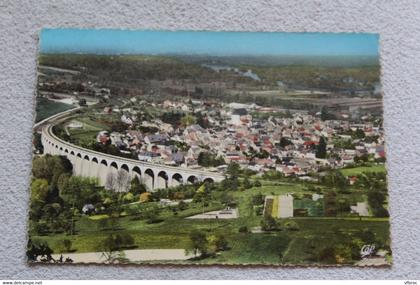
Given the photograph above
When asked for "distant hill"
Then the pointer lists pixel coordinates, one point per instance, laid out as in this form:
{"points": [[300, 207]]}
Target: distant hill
{"points": [[331, 73], [323, 61]]}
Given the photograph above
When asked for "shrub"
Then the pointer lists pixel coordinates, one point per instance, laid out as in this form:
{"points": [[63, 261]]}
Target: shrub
{"points": [[66, 245], [243, 229], [128, 197], [257, 199], [269, 224], [291, 226], [145, 197], [259, 210], [182, 205]]}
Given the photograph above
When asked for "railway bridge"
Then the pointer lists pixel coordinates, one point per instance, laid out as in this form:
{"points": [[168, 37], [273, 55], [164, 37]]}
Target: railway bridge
{"points": [[108, 168]]}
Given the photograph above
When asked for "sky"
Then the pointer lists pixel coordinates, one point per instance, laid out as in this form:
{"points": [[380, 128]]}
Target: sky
{"points": [[107, 41]]}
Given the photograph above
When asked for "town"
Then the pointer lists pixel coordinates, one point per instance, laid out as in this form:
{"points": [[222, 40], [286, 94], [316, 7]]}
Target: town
{"points": [[297, 144]]}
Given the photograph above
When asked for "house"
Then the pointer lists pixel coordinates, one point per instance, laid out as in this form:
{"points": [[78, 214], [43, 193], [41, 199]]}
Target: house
{"points": [[361, 209], [158, 139], [178, 158], [88, 209], [107, 110], [148, 156], [103, 137], [240, 116]]}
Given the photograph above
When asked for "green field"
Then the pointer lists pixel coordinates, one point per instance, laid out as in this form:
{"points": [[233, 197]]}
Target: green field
{"points": [[285, 246], [88, 132], [260, 248], [46, 108], [361, 169]]}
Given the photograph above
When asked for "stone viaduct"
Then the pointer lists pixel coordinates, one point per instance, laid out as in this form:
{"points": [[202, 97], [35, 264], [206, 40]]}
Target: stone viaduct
{"points": [[99, 165]]}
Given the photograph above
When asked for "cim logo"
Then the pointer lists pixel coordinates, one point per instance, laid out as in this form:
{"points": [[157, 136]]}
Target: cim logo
{"points": [[367, 250]]}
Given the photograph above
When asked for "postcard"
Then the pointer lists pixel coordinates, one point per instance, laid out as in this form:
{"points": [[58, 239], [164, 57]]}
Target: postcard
{"points": [[197, 148]]}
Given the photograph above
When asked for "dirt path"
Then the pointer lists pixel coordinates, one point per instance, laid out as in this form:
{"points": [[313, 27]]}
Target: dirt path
{"points": [[135, 255]]}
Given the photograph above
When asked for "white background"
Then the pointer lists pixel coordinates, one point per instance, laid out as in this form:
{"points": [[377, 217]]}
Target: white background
{"points": [[397, 22]]}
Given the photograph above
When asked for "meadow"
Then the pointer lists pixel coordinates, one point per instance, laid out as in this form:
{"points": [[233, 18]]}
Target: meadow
{"points": [[283, 246]]}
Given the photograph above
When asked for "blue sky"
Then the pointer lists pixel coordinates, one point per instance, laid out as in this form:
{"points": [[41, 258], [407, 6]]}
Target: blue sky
{"points": [[207, 43]]}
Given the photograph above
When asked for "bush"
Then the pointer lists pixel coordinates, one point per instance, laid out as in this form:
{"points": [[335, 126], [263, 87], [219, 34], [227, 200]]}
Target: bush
{"points": [[182, 206], [125, 240], [259, 210], [66, 245], [40, 227], [257, 199], [326, 255], [221, 243], [243, 229], [145, 197], [269, 224], [291, 226], [129, 197]]}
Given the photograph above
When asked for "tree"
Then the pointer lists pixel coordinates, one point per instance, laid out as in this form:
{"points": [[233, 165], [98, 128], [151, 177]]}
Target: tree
{"points": [[110, 182], [208, 159], [321, 151], [118, 182], [284, 142], [246, 183], [217, 243], [129, 197], [233, 170], [188, 120], [152, 214], [343, 254], [291, 226], [82, 102], [145, 197], [198, 244], [358, 134], [335, 178], [376, 200], [38, 143], [51, 167], [41, 250], [269, 224], [66, 245], [118, 126], [39, 191], [326, 255], [257, 199], [136, 187], [330, 204], [343, 205], [78, 191], [122, 181], [325, 115], [232, 173], [111, 249]]}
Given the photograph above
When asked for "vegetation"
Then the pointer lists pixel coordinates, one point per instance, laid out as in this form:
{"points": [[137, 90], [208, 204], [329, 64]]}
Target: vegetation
{"points": [[46, 108], [208, 159]]}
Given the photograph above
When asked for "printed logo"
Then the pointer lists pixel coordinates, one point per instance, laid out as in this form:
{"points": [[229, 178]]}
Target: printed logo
{"points": [[367, 250]]}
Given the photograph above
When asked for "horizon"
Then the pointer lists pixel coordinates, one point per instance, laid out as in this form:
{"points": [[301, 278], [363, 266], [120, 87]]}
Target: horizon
{"points": [[212, 44]]}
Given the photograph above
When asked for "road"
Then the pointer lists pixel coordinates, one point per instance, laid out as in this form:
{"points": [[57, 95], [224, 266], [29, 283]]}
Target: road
{"points": [[134, 255]]}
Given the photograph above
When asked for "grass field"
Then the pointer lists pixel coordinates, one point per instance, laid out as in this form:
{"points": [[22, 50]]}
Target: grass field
{"points": [[88, 132], [359, 170], [46, 108], [264, 248], [288, 247]]}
